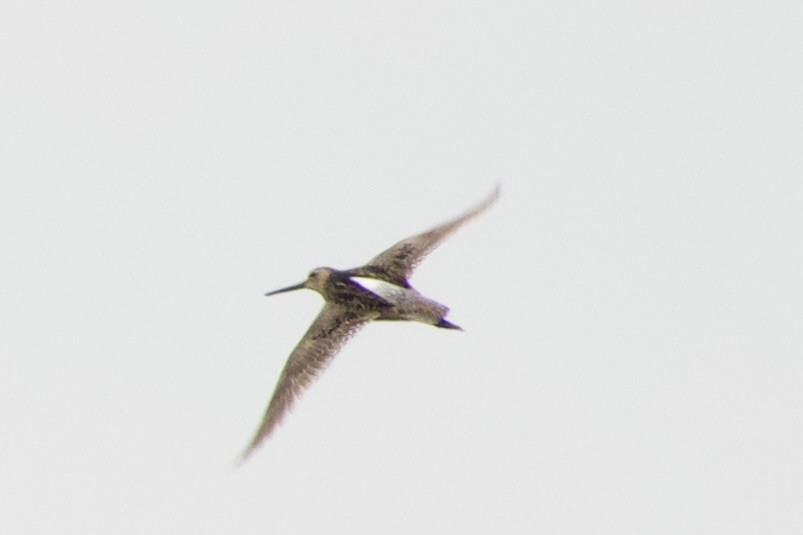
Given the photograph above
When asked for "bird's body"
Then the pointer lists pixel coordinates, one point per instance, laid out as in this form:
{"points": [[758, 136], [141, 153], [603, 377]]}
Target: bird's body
{"points": [[376, 291], [407, 304]]}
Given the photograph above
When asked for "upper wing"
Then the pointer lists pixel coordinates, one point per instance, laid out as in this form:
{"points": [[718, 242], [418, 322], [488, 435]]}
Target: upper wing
{"points": [[324, 338], [397, 263]]}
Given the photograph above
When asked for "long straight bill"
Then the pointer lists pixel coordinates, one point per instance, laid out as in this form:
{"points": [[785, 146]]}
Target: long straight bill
{"points": [[288, 289]]}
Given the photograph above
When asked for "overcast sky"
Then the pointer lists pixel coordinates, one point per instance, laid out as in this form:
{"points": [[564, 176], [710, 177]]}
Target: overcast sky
{"points": [[632, 354]]}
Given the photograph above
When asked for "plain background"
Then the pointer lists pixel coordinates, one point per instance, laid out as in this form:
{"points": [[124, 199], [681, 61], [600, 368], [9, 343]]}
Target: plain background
{"points": [[631, 361]]}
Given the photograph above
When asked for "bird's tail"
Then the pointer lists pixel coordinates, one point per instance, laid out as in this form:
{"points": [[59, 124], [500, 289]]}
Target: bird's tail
{"points": [[445, 324]]}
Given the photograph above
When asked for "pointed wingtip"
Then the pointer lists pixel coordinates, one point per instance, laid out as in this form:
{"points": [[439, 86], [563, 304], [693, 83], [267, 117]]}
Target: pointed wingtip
{"points": [[245, 455], [239, 461], [491, 198], [497, 191]]}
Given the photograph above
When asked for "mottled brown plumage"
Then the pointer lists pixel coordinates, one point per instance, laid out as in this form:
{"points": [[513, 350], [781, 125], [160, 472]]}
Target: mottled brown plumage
{"points": [[350, 305]]}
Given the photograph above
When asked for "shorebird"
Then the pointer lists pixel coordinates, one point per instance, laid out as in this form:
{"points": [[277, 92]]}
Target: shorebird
{"points": [[379, 290]]}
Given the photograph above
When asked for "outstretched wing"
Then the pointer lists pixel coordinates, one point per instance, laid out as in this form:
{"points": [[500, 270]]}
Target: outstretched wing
{"points": [[324, 338], [396, 264]]}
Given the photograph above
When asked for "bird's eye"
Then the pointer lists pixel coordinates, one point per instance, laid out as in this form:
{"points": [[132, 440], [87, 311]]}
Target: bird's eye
{"points": [[312, 274]]}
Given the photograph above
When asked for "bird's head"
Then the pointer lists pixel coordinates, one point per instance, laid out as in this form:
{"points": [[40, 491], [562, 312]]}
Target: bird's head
{"points": [[316, 280]]}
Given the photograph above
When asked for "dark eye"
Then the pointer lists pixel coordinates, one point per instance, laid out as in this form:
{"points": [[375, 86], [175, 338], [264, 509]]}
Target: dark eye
{"points": [[312, 274]]}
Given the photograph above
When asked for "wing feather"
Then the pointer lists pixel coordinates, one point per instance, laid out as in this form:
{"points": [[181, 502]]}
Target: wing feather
{"points": [[322, 341], [397, 263]]}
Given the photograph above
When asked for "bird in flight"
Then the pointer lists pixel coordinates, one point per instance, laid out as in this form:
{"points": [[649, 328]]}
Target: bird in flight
{"points": [[379, 290]]}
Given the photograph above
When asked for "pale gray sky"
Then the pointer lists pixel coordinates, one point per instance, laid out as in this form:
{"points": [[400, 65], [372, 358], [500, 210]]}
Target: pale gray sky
{"points": [[631, 361]]}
